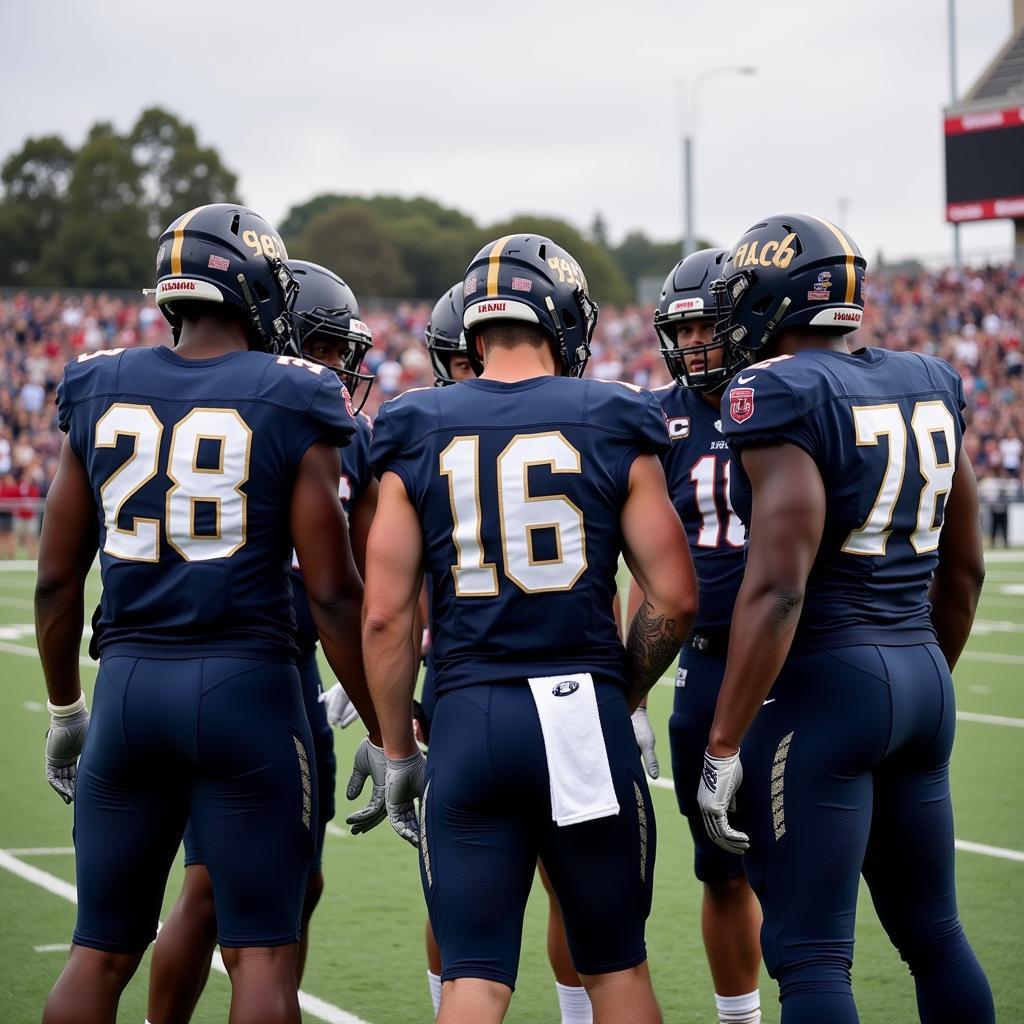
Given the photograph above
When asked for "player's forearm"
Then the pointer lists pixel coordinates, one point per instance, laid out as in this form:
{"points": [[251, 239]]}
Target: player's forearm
{"points": [[764, 622], [391, 665], [341, 637], [954, 595], [60, 615], [655, 636]]}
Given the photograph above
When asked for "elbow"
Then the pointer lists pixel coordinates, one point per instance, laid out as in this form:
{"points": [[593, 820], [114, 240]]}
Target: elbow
{"points": [[787, 602]]}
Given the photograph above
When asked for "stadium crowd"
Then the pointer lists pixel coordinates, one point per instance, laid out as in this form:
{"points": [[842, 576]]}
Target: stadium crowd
{"points": [[973, 318]]}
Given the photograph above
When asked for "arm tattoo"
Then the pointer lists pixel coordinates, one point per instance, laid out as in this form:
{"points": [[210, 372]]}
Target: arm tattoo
{"points": [[654, 642]]}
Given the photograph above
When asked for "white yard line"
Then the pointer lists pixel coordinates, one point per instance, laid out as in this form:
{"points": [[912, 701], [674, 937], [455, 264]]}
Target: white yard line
{"points": [[40, 851], [31, 652], [973, 716], [313, 1005], [53, 947], [1002, 659], [961, 844]]}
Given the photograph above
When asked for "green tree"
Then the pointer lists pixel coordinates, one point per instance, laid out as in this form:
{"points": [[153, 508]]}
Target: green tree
{"points": [[352, 242], [604, 278], [177, 173], [103, 240], [35, 183], [638, 256]]}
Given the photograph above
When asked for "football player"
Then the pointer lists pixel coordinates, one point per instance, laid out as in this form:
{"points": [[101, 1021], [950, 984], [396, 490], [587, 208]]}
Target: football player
{"points": [[514, 492], [327, 329], [445, 338], [192, 470], [697, 469], [862, 577]]}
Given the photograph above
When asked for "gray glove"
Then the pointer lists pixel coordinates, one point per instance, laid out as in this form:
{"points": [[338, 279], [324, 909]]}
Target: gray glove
{"points": [[716, 796], [405, 780], [371, 763], [338, 706], [69, 725], [645, 741]]}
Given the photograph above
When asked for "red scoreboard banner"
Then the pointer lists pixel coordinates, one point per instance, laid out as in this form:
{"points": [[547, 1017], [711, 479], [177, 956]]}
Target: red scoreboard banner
{"points": [[985, 165]]}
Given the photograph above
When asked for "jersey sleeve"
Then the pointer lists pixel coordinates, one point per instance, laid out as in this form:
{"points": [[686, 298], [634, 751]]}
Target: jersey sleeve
{"points": [[65, 402], [951, 381], [766, 411], [328, 416], [391, 446], [355, 459]]}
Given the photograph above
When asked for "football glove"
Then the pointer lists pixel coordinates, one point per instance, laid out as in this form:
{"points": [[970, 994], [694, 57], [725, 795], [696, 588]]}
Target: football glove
{"points": [[369, 763], [69, 725], [716, 795], [405, 780], [339, 707], [645, 741]]}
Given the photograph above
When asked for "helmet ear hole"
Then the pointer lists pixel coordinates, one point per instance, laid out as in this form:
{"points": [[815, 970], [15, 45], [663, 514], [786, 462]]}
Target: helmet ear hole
{"points": [[763, 305], [569, 320], [261, 292]]}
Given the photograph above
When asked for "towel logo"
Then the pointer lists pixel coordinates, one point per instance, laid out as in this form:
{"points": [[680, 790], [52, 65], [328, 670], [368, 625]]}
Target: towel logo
{"points": [[565, 688]]}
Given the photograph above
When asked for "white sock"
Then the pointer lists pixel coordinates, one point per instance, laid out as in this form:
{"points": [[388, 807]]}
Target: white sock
{"points": [[574, 1003], [434, 982], [739, 1009]]}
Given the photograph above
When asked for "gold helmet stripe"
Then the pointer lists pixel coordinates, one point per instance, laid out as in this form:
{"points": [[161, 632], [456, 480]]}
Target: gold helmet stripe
{"points": [[179, 239], [493, 262], [851, 274]]}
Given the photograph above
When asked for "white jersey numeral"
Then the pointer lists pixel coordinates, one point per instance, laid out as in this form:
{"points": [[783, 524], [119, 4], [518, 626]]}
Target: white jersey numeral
{"points": [[928, 420], [219, 486], [520, 516], [704, 475]]}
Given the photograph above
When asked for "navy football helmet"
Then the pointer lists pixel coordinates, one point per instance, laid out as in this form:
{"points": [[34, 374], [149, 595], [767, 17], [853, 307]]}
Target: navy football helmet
{"points": [[687, 295], [326, 306], [445, 336], [229, 255], [788, 271], [530, 279]]}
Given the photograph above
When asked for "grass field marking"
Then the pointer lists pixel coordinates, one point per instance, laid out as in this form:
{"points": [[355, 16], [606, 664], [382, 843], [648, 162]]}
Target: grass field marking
{"points": [[16, 602], [1011, 589], [31, 652], [18, 565], [313, 1005], [40, 851], [985, 627], [54, 947], [1004, 556], [336, 830], [973, 716], [989, 851], [961, 844], [1002, 659]]}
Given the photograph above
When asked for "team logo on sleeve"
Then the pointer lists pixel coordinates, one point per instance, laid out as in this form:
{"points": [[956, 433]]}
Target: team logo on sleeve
{"points": [[348, 401], [741, 404], [565, 688]]}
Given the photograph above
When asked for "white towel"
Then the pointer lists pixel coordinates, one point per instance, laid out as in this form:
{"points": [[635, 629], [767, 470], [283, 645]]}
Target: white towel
{"points": [[581, 780]]}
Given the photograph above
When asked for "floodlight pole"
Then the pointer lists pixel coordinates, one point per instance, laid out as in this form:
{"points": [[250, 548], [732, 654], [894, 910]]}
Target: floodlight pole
{"points": [[689, 234], [951, 11]]}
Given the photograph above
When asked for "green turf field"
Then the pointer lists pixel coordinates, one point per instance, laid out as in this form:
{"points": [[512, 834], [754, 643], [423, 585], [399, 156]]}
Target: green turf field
{"points": [[366, 961]]}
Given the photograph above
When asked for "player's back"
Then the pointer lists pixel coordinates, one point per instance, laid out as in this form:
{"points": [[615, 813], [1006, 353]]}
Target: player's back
{"points": [[885, 430], [519, 489], [191, 462]]}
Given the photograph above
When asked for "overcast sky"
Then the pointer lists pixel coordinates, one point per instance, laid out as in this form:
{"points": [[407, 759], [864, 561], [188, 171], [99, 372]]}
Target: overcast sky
{"points": [[565, 108]]}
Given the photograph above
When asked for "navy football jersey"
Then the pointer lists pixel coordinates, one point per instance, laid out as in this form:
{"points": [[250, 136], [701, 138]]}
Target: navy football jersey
{"points": [[519, 489], [191, 462], [356, 475], [885, 430], [698, 468]]}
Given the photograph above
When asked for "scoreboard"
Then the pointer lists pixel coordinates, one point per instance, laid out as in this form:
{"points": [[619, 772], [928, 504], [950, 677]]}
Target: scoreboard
{"points": [[985, 165]]}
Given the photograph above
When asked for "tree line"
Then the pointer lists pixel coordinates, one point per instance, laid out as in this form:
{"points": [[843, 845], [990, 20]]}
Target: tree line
{"points": [[88, 218]]}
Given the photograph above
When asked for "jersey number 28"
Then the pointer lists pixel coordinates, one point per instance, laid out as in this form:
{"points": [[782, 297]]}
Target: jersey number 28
{"points": [[229, 441]]}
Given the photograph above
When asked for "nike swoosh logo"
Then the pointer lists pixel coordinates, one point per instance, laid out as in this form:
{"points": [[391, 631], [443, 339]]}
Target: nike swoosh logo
{"points": [[772, 701], [745, 380]]}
